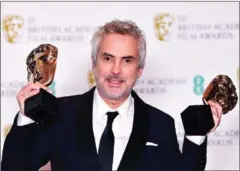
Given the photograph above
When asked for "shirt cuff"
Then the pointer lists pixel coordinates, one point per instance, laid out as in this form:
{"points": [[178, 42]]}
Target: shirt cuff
{"points": [[24, 120], [196, 139]]}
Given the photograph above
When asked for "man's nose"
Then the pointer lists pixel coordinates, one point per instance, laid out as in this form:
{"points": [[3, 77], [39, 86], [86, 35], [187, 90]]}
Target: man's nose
{"points": [[32, 66], [116, 68]]}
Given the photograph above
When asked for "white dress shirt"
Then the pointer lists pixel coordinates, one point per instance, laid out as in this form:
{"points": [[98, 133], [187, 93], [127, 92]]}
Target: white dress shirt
{"points": [[122, 125]]}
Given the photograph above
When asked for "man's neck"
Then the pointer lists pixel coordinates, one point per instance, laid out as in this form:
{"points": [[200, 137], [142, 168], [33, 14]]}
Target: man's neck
{"points": [[114, 104]]}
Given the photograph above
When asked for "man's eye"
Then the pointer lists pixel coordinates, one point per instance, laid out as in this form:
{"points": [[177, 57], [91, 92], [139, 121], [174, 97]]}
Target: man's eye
{"points": [[128, 61], [106, 58], [44, 59]]}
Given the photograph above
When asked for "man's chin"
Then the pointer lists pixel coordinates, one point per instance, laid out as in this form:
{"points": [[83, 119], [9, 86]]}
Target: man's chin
{"points": [[114, 95]]}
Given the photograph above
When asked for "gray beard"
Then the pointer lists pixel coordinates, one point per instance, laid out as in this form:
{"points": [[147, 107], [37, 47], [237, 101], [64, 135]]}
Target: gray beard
{"points": [[126, 93]]}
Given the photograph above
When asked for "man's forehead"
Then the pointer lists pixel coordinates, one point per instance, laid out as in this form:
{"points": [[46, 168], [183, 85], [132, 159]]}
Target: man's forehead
{"points": [[119, 45]]}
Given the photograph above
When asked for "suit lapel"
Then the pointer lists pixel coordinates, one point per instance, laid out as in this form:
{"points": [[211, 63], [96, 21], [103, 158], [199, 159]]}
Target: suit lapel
{"points": [[85, 131], [138, 137]]}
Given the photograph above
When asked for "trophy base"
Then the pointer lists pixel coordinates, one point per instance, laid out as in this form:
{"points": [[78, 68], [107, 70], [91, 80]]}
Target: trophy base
{"points": [[42, 107], [197, 119]]}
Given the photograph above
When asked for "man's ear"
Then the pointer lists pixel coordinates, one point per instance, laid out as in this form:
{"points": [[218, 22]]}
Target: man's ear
{"points": [[92, 62], [140, 72]]}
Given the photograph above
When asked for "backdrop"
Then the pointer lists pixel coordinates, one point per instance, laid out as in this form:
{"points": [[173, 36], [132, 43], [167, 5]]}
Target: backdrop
{"points": [[188, 44]]}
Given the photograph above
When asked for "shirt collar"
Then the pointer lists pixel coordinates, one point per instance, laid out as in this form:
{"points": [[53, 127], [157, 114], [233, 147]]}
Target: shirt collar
{"points": [[101, 107]]}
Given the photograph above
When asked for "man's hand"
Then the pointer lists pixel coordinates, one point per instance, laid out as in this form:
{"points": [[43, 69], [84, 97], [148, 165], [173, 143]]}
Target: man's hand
{"points": [[217, 114], [27, 91]]}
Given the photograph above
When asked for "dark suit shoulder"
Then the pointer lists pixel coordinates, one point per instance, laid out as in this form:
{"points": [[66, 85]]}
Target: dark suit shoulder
{"points": [[158, 114], [69, 99], [76, 98], [161, 125], [72, 106]]}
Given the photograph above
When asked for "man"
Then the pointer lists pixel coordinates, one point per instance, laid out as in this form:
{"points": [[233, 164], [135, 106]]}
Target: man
{"points": [[108, 127]]}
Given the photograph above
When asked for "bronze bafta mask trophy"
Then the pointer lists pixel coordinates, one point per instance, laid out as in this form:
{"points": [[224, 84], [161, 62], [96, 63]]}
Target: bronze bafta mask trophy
{"points": [[41, 66], [197, 119]]}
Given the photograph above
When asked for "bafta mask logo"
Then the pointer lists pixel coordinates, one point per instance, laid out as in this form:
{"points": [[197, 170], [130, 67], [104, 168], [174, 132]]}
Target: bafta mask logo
{"points": [[6, 130], [12, 28], [91, 79], [163, 26], [41, 64]]}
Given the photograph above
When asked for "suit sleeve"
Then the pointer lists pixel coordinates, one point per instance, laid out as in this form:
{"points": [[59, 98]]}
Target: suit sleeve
{"points": [[26, 147], [192, 157]]}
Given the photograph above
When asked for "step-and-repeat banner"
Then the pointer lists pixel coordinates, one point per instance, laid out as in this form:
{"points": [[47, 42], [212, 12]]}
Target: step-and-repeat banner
{"points": [[188, 44]]}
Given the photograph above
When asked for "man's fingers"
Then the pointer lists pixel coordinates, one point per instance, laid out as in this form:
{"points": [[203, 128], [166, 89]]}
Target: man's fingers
{"points": [[41, 86], [33, 86], [28, 91], [215, 119], [217, 107], [29, 87], [31, 93], [24, 87], [22, 96], [216, 113]]}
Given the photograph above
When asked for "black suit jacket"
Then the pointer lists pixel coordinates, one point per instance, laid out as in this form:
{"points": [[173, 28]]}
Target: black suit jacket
{"points": [[69, 142]]}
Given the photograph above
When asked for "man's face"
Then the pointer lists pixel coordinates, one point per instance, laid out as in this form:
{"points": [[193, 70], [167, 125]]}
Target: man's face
{"points": [[117, 66], [42, 64]]}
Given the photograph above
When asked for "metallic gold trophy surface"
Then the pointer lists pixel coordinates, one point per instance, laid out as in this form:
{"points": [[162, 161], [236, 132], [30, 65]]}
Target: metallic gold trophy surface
{"points": [[197, 119], [41, 67]]}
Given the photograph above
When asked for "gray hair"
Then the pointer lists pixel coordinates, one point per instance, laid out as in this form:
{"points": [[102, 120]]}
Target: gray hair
{"points": [[126, 27]]}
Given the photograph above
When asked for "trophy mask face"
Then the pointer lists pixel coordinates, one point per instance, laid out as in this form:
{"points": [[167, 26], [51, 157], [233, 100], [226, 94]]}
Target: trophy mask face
{"points": [[222, 91], [41, 64]]}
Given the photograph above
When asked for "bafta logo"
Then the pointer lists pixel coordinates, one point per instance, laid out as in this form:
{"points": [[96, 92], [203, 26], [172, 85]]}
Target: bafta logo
{"points": [[12, 28], [163, 26], [91, 79], [6, 130]]}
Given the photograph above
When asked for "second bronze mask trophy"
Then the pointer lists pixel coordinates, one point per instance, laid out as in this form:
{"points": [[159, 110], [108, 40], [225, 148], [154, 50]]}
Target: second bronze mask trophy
{"points": [[198, 119]]}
